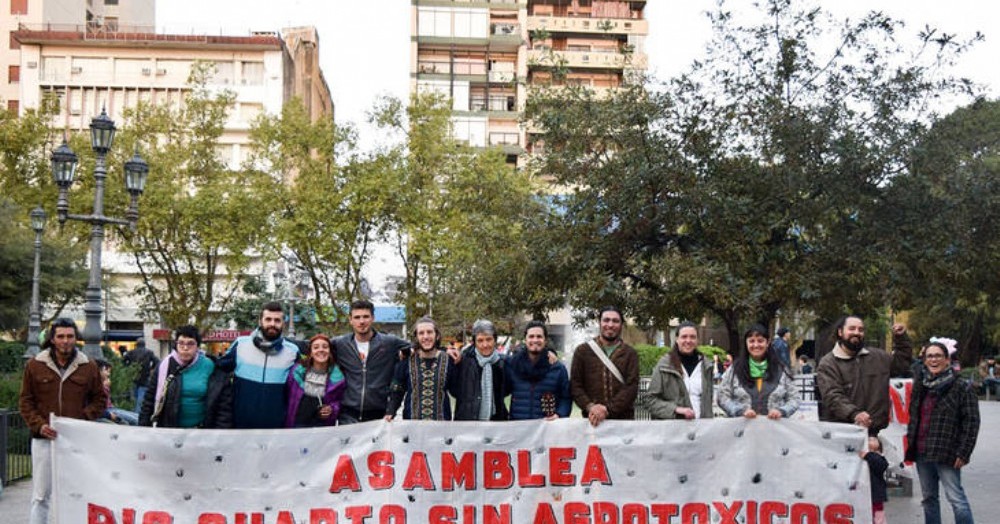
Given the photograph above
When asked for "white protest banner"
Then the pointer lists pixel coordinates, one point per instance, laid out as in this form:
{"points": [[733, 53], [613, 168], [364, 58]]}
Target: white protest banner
{"points": [[894, 436], [720, 471]]}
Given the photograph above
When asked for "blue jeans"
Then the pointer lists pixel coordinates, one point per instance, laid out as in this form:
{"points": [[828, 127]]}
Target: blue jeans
{"points": [[932, 472], [140, 393]]}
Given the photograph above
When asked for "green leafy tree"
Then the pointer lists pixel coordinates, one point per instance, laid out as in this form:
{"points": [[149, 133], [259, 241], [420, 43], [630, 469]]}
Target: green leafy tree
{"points": [[62, 275], [751, 183], [941, 225], [329, 212], [453, 209], [201, 223]]}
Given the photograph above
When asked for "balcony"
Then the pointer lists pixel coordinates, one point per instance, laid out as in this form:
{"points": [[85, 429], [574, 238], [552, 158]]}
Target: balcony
{"points": [[505, 35], [510, 143], [493, 103], [595, 59], [566, 24]]}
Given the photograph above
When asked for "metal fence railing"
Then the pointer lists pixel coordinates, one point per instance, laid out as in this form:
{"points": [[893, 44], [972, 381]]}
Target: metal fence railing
{"points": [[807, 386], [15, 441], [641, 412]]}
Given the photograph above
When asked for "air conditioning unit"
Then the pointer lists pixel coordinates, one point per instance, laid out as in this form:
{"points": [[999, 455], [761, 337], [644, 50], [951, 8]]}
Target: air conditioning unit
{"points": [[504, 29], [32, 65], [161, 72], [74, 112], [146, 71], [76, 70]]}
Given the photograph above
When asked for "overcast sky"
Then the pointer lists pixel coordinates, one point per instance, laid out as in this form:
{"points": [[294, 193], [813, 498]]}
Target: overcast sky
{"points": [[364, 44]]}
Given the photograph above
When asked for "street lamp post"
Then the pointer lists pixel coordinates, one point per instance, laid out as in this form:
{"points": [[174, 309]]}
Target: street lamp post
{"points": [[38, 218], [102, 134]]}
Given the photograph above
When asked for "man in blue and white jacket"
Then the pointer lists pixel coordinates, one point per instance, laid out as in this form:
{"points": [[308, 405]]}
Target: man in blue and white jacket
{"points": [[260, 364]]}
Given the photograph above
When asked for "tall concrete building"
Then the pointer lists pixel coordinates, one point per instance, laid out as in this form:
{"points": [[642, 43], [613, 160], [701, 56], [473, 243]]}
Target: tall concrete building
{"points": [[89, 16], [88, 71], [483, 54]]}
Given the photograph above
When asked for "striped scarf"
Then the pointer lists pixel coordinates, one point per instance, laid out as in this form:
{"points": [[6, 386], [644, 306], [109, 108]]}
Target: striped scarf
{"points": [[486, 407]]}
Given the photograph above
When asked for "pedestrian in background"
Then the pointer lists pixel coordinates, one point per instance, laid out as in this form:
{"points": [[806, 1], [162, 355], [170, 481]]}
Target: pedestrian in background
{"points": [[781, 346], [146, 361]]}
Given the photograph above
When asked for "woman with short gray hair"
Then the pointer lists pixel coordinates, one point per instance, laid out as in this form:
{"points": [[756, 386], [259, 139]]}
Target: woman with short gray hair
{"points": [[479, 391]]}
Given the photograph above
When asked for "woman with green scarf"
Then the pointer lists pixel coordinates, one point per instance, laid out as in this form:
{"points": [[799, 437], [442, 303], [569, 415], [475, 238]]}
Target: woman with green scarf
{"points": [[758, 383]]}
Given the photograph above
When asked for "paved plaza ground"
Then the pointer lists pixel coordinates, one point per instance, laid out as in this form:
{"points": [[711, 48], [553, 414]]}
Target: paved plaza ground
{"points": [[980, 479]]}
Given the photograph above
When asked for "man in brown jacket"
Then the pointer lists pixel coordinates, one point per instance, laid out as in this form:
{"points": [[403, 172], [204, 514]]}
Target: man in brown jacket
{"points": [[604, 379], [853, 380], [62, 381]]}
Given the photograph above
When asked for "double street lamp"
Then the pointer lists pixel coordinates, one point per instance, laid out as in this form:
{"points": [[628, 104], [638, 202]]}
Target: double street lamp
{"points": [[38, 218], [64, 161]]}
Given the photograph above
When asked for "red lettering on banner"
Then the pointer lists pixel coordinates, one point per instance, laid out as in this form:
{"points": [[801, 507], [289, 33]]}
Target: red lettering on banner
{"points": [[898, 402], [634, 514], [358, 514], [285, 517], [559, 466], [525, 478], [838, 514], [605, 513], [770, 509], [128, 516], [417, 473], [576, 513], [392, 513], [594, 468], [322, 516], [728, 514], [693, 510], [751, 512], [442, 515], [495, 515], [664, 512], [211, 518], [458, 472], [497, 473], [344, 476], [381, 475], [157, 517], [544, 514], [804, 513], [99, 515]]}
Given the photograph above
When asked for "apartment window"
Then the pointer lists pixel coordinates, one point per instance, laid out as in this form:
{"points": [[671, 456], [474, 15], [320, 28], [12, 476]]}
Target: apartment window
{"points": [[14, 44], [253, 73], [13, 106], [13, 74], [111, 23], [18, 7]]}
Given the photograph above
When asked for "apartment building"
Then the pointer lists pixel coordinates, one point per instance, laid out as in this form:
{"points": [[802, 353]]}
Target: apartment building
{"points": [[483, 54], [93, 16], [89, 71]]}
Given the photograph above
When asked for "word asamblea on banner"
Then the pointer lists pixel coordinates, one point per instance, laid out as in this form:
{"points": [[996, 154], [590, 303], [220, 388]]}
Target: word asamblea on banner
{"points": [[559, 472]]}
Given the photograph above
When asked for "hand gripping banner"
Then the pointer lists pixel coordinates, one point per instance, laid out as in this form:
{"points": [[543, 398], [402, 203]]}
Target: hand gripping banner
{"points": [[561, 472]]}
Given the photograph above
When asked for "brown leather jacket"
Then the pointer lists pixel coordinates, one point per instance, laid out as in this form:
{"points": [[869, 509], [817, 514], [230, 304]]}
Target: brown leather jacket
{"points": [[592, 383], [76, 393]]}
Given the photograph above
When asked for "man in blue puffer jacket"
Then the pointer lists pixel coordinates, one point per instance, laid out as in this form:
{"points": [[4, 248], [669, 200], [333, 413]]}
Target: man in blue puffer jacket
{"points": [[260, 364], [539, 388]]}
